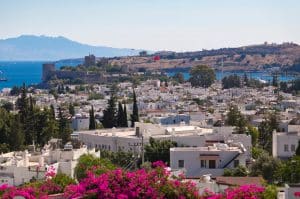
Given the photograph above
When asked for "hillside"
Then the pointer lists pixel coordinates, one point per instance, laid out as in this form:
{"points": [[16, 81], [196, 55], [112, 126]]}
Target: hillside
{"points": [[256, 57], [29, 47]]}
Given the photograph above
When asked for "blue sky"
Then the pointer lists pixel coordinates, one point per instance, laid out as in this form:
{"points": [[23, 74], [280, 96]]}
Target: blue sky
{"points": [[178, 25]]}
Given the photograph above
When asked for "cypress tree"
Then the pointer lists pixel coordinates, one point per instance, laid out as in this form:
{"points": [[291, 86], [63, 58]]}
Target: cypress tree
{"points": [[64, 127], [125, 123], [120, 119], [23, 104], [31, 123], [16, 138], [109, 114], [92, 124], [71, 109], [135, 111], [298, 149], [52, 111]]}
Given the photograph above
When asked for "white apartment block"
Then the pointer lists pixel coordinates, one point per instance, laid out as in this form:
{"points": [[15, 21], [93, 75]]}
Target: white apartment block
{"points": [[210, 160]]}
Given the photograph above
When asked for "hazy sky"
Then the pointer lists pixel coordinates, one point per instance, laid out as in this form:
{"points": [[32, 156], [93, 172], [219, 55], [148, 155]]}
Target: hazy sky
{"points": [[155, 24]]}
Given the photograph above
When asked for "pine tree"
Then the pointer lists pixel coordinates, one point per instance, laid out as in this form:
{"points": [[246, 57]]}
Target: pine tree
{"points": [[125, 123], [135, 111], [71, 109], [92, 124], [109, 114]]}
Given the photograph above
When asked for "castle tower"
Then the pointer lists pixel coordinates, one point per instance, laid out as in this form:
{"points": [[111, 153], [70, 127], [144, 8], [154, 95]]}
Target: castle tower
{"points": [[47, 69]]}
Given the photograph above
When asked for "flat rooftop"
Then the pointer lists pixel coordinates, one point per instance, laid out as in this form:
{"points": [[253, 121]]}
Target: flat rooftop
{"points": [[192, 149]]}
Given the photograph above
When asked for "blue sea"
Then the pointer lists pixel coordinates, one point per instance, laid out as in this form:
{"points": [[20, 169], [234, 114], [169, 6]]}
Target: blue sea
{"points": [[30, 73]]}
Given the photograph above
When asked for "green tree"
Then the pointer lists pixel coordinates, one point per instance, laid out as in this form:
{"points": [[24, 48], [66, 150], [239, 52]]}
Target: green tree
{"points": [[275, 80], [16, 136], [257, 151], [15, 91], [265, 166], [120, 158], [8, 106], [159, 150], [63, 180], [239, 171], [246, 80], [50, 128], [22, 104], [63, 127], [202, 75], [235, 118], [109, 114], [52, 111], [120, 115], [5, 127], [178, 77], [231, 81], [254, 133], [298, 149], [290, 171], [270, 192], [71, 109], [283, 86], [266, 129], [87, 162], [125, 121], [135, 111], [92, 124]]}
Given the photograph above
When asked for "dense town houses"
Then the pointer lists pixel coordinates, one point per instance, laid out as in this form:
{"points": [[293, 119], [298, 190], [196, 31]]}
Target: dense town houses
{"points": [[194, 118], [17, 168]]}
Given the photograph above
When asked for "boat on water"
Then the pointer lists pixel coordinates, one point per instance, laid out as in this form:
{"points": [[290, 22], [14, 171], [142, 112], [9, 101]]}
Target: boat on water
{"points": [[2, 78]]}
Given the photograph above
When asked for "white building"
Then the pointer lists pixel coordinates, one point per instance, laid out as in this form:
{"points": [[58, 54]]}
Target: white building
{"points": [[172, 119], [130, 139], [80, 122], [199, 161], [17, 168], [284, 144]]}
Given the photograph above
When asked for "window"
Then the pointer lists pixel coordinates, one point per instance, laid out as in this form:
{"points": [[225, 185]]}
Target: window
{"points": [[236, 163], [203, 164], [293, 147], [212, 164], [180, 163], [286, 147]]}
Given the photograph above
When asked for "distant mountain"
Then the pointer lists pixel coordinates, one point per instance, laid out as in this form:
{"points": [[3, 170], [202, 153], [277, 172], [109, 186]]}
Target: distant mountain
{"points": [[30, 47]]}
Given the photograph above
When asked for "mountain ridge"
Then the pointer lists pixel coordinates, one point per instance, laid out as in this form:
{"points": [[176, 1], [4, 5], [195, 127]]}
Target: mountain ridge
{"points": [[31, 47]]}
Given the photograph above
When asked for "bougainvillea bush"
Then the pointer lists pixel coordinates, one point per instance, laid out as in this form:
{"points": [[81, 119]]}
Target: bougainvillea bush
{"points": [[120, 184], [37, 189]]}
